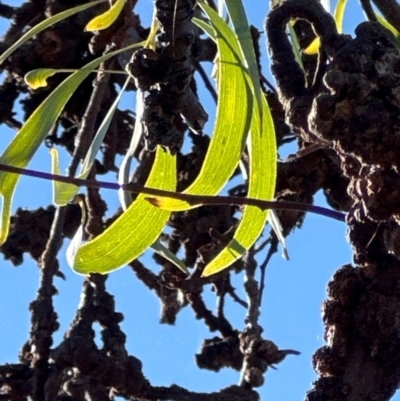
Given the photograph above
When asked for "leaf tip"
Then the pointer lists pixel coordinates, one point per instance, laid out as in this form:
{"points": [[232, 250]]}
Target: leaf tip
{"points": [[36, 79]]}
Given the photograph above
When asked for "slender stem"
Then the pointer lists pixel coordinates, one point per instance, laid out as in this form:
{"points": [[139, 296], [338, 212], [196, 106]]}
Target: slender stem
{"points": [[191, 199]]}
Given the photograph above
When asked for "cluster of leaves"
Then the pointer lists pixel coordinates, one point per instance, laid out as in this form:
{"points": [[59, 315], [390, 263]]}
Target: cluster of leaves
{"points": [[167, 184], [241, 110]]}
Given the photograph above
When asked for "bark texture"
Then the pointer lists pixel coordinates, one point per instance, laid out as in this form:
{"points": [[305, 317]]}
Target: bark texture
{"points": [[343, 110]]}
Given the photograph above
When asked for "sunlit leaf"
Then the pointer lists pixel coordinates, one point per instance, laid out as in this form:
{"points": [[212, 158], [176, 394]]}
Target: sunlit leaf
{"points": [[135, 230], [232, 120], [38, 78], [338, 14], [63, 192], [313, 47], [105, 20], [262, 177], [262, 152], [45, 24], [20, 151], [242, 32], [338, 17]]}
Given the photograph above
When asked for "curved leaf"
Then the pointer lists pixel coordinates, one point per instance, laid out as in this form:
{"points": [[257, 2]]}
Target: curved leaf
{"points": [[389, 27], [63, 192], [20, 151], [232, 120], [167, 254], [105, 20], [45, 24], [133, 232], [262, 177], [38, 78], [339, 13], [125, 197], [262, 154]]}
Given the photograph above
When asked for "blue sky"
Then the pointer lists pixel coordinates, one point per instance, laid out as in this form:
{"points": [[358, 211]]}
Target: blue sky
{"points": [[291, 307]]}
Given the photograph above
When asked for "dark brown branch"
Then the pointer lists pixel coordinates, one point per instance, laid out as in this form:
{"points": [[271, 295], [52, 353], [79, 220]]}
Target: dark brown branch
{"points": [[390, 10], [366, 5], [290, 79]]}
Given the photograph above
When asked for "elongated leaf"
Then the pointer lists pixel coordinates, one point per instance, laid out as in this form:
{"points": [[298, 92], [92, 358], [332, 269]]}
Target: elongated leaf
{"points": [[276, 225], [106, 19], [262, 177], [125, 197], [133, 232], [262, 152], [167, 254], [232, 121], [389, 27], [241, 26], [45, 24], [339, 14], [20, 151], [63, 192], [296, 47]]}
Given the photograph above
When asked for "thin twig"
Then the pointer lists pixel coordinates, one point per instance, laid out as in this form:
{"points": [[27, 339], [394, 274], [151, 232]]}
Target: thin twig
{"points": [[369, 11], [272, 250], [190, 199], [266, 82], [206, 81]]}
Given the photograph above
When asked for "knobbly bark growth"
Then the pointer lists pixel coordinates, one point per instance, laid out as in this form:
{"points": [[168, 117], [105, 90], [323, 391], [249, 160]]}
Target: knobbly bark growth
{"points": [[351, 109], [343, 111]]}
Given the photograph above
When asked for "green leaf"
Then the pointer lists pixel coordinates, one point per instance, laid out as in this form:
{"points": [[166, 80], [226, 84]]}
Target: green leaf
{"points": [[232, 121], [339, 13], [63, 192], [133, 232], [125, 197], [262, 178], [261, 146], [241, 27], [296, 47], [105, 20], [389, 27], [276, 225], [20, 151], [45, 24], [170, 256], [38, 78]]}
